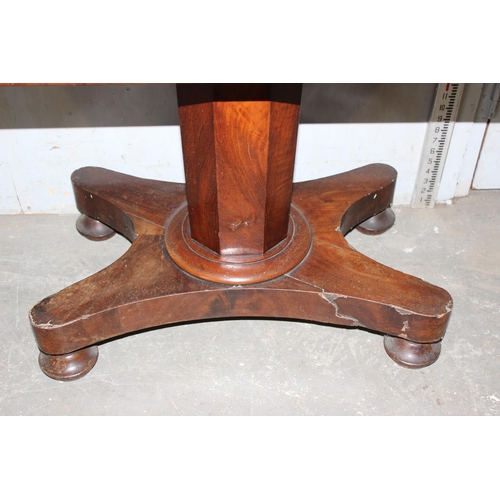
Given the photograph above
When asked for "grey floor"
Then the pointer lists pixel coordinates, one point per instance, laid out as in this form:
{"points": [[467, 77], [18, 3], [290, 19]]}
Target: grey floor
{"points": [[260, 366]]}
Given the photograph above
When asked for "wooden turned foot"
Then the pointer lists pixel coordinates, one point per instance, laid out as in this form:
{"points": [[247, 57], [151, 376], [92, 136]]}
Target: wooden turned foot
{"points": [[378, 224], [67, 367], [410, 354], [92, 229]]}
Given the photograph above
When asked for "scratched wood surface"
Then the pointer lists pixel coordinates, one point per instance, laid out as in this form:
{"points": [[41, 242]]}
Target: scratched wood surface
{"points": [[239, 145], [244, 212], [334, 284]]}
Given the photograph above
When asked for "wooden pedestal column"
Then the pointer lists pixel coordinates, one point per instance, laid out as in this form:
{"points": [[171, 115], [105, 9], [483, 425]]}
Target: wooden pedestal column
{"points": [[239, 151]]}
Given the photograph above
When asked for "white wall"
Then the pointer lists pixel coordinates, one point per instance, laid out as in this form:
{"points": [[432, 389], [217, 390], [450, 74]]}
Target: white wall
{"points": [[465, 147], [36, 163], [328, 149]]}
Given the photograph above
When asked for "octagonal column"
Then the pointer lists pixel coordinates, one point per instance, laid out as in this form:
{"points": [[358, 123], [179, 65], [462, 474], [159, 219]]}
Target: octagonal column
{"points": [[239, 143]]}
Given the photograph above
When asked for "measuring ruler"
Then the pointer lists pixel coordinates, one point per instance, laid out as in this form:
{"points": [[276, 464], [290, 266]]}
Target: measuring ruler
{"points": [[437, 141]]}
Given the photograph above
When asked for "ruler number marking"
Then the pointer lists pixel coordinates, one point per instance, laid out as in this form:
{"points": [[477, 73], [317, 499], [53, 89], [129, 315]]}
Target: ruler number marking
{"points": [[436, 144]]}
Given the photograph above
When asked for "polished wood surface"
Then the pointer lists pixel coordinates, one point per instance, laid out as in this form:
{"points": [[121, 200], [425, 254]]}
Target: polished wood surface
{"points": [[239, 152], [238, 240]]}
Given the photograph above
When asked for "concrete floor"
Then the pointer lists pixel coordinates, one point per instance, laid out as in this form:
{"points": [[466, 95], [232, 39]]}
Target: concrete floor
{"points": [[260, 366]]}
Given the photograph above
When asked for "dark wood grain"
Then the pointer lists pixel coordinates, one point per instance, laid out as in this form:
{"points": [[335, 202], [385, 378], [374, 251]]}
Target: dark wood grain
{"points": [[238, 240], [334, 284], [239, 154]]}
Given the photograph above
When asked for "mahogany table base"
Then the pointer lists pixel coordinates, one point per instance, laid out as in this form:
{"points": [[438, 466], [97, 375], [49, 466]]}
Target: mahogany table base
{"points": [[313, 275]]}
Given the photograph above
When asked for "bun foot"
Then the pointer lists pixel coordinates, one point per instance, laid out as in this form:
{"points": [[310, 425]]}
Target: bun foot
{"points": [[67, 367], [379, 223], [410, 354], [92, 229]]}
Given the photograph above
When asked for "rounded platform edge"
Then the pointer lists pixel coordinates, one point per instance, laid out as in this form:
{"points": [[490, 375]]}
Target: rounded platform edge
{"points": [[69, 367], [202, 263], [411, 354]]}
